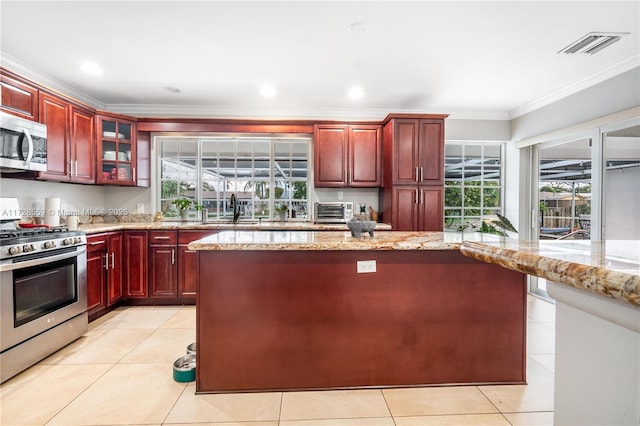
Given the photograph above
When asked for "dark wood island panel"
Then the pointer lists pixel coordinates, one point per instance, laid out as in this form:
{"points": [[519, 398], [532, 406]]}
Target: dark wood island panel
{"points": [[285, 320]]}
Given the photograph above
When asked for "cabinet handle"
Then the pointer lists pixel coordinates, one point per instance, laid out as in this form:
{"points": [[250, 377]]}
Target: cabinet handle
{"points": [[106, 261], [95, 243], [173, 256], [421, 196], [160, 238], [421, 174], [417, 199], [134, 174], [70, 163], [113, 260], [417, 174]]}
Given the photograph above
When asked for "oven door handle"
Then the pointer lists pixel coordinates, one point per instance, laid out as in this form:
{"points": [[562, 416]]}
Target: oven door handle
{"points": [[41, 261]]}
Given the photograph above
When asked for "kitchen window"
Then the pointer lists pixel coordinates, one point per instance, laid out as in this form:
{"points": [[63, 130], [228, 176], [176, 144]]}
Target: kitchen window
{"points": [[261, 172], [473, 184]]}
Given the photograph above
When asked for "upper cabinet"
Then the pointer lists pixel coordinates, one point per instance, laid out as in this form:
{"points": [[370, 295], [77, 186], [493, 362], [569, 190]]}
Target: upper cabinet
{"points": [[347, 155], [416, 151], [18, 98], [116, 150], [70, 142]]}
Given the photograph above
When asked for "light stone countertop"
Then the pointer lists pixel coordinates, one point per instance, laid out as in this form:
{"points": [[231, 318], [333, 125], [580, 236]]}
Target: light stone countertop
{"points": [[608, 268], [97, 228], [317, 240]]}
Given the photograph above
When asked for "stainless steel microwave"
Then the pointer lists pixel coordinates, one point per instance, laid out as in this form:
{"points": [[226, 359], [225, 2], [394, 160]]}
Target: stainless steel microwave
{"points": [[333, 212], [23, 144]]}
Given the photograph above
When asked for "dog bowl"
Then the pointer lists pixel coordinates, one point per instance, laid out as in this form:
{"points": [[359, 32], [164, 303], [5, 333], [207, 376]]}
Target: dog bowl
{"points": [[184, 368]]}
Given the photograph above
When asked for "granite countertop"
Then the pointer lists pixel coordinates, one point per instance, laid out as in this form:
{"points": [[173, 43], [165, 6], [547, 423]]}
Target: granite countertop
{"points": [[608, 268], [313, 240], [97, 228]]}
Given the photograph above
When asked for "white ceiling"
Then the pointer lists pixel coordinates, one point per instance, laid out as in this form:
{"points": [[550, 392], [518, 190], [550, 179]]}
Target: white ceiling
{"points": [[473, 59]]}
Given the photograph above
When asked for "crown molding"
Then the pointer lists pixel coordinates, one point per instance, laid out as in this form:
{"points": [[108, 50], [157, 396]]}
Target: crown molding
{"points": [[603, 75], [43, 79]]}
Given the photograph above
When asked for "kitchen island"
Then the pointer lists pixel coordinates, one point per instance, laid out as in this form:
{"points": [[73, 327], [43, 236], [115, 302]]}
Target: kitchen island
{"points": [[324, 310]]}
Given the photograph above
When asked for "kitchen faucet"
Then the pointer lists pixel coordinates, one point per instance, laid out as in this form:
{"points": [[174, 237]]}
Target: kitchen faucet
{"points": [[236, 208]]}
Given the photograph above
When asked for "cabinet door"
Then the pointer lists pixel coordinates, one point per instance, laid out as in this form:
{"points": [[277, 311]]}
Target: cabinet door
{"points": [[114, 287], [82, 146], [431, 152], [18, 98], [163, 271], [188, 271], [406, 149], [135, 272], [96, 272], [330, 150], [116, 145], [54, 113], [364, 156], [430, 209], [405, 211]]}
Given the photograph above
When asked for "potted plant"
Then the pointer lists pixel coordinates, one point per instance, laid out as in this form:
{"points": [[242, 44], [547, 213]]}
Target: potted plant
{"points": [[281, 210], [184, 205]]}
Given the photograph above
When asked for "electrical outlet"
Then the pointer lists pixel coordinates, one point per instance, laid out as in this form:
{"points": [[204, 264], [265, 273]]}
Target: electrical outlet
{"points": [[366, 266], [140, 208], [340, 195]]}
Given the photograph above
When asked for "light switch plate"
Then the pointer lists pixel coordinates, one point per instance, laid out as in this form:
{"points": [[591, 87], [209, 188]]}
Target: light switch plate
{"points": [[366, 266]]}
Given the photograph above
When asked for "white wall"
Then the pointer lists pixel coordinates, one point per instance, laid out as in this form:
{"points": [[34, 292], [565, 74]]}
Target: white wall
{"points": [[616, 94], [31, 194]]}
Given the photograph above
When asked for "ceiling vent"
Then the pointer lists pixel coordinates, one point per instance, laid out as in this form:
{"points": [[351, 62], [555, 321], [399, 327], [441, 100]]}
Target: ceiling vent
{"points": [[592, 43]]}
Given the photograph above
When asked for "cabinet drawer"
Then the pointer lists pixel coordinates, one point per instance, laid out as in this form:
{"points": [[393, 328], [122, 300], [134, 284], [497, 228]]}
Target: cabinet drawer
{"points": [[185, 237], [163, 237], [97, 242]]}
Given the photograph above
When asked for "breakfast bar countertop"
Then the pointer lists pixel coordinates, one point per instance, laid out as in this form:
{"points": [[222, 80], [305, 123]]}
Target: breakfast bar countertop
{"points": [[609, 268], [318, 240]]}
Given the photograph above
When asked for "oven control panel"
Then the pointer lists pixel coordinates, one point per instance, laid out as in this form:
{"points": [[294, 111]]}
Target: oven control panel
{"points": [[40, 243]]}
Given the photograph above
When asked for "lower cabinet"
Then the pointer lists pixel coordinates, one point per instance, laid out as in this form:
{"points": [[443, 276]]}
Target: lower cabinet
{"points": [[417, 208], [104, 271], [141, 267], [163, 264], [136, 275], [188, 262]]}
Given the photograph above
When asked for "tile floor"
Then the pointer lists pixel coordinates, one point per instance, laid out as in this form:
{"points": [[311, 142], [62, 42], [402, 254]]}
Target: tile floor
{"points": [[120, 373]]}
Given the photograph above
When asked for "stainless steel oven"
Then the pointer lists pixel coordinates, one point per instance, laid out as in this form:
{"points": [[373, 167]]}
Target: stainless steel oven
{"points": [[43, 294]]}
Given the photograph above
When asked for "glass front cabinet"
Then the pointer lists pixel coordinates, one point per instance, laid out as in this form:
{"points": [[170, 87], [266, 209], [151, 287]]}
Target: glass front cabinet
{"points": [[116, 151]]}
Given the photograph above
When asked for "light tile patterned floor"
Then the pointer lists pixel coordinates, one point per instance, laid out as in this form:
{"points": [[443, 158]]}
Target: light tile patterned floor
{"points": [[120, 373]]}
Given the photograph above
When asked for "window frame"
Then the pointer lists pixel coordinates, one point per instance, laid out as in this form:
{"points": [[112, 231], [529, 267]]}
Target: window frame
{"points": [[472, 222], [161, 203]]}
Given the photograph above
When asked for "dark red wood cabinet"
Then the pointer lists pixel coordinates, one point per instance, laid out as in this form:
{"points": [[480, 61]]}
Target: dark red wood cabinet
{"points": [[347, 155], [412, 197], [104, 272], [188, 262], [136, 254], [18, 98], [163, 264], [70, 141]]}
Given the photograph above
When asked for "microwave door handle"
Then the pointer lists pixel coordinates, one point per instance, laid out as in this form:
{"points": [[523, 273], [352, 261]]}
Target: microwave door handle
{"points": [[30, 152]]}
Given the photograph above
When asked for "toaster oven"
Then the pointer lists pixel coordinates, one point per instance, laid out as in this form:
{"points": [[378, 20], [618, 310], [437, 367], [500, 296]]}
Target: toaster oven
{"points": [[333, 212]]}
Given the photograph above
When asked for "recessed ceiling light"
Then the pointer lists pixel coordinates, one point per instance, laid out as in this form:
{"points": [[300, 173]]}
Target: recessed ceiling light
{"points": [[268, 91], [91, 68], [355, 93], [171, 89], [358, 27]]}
